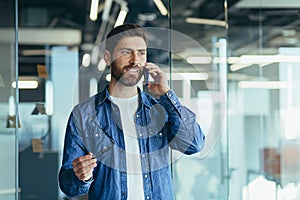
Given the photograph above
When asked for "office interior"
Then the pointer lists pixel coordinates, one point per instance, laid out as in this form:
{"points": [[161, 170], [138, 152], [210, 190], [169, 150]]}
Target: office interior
{"points": [[234, 63]]}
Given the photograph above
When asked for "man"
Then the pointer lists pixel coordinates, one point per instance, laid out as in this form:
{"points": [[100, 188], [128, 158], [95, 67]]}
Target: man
{"points": [[117, 142]]}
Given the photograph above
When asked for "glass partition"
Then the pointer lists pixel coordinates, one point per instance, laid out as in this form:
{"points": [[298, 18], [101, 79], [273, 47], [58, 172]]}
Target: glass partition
{"points": [[199, 76], [61, 50], [263, 102], [49, 60], [9, 122]]}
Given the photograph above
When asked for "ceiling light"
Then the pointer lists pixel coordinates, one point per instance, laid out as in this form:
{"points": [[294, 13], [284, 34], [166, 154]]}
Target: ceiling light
{"points": [[258, 59], [107, 7], [233, 60], [239, 66], [189, 76], [262, 84], [213, 22], [11, 106], [101, 65], [161, 7], [225, 5], [199, 59], [49, 97], [261, 60], [245, 59], [147, 16], [94, 10], [93, 86], [108, 77], [122, 15], [26, 84], [86, 60]]}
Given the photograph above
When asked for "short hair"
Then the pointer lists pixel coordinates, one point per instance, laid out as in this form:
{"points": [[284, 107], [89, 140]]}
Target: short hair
{"points": [[122, 31]]}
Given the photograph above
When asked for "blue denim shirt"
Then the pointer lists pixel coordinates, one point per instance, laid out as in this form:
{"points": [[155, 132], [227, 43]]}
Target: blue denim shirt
{"points": [[95, 126]]}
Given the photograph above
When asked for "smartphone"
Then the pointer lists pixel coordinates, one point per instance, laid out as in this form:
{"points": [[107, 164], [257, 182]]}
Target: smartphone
{"points": [[146, 80], [146, 77]]}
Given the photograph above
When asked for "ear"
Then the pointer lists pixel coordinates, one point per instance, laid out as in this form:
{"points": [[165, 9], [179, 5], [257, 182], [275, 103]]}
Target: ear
{"points": [[107, 57]]}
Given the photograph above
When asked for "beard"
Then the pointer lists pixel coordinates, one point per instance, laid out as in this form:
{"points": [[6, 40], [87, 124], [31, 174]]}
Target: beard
{"points": [[122, 75]]}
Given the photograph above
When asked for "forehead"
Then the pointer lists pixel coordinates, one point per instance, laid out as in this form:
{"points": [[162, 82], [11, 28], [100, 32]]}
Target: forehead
{"points": [[133, 43]]}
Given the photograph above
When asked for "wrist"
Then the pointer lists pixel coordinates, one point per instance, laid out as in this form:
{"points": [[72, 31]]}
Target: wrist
{"points": [[164, 91]]}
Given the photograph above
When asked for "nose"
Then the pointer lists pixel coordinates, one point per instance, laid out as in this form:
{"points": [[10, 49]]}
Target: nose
{"points": [[134, 58]]}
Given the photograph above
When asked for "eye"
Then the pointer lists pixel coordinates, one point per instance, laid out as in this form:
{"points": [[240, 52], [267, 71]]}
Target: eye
{"points": [[141, 53], [125, 52]]}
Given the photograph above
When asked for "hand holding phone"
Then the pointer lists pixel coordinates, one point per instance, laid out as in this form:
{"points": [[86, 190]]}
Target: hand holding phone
{"points": [[159, 86]]}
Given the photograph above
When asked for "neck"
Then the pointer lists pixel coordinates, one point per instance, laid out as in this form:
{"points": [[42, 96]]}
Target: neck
{"points": [[122, 91]]}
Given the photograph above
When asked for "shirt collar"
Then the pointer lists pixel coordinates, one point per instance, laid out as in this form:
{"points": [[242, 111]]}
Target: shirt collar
{"points": [[104, 95]]}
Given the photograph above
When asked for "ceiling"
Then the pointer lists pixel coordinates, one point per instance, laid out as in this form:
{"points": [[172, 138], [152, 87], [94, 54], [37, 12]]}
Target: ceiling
{"points": [[253, 24], [245, 15]]}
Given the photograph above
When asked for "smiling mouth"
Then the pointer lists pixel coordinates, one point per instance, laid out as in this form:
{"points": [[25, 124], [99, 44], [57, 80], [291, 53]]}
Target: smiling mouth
{"points": [[132, 70]]}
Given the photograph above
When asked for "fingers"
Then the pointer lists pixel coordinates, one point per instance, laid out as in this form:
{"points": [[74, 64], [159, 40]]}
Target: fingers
{"points": [[83, 166], [160, 84], [154, 70]]}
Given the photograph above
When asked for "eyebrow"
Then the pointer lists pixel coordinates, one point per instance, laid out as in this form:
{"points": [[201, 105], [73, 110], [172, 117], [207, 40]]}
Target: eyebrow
{"points": [[129, 49]]}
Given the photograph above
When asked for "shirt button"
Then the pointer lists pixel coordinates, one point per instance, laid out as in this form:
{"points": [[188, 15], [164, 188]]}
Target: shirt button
{"points": [[140, 135], [170, 95], [137, 115], [147, 197], [146, 176], [143, 155], [160, 134]]}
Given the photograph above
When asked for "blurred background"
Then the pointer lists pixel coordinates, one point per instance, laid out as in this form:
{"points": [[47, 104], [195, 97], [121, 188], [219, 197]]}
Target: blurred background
{"points": [[233, 62]]}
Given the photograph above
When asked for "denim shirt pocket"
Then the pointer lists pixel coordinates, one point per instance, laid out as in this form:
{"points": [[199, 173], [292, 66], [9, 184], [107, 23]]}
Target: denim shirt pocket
{"points": [[95, 139]]}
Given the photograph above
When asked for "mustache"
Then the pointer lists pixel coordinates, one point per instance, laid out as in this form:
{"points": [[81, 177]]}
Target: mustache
{"points": [[130, 66]]}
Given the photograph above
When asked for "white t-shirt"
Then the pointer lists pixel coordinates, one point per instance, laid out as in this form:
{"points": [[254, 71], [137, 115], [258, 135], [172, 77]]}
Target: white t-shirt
{"points": [[128, 107]]}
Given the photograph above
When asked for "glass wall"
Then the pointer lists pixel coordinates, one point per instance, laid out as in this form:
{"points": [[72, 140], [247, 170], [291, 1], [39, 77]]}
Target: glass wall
{"points": [[263, 100], [235, 64], [8, 102], [199, 76]]}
